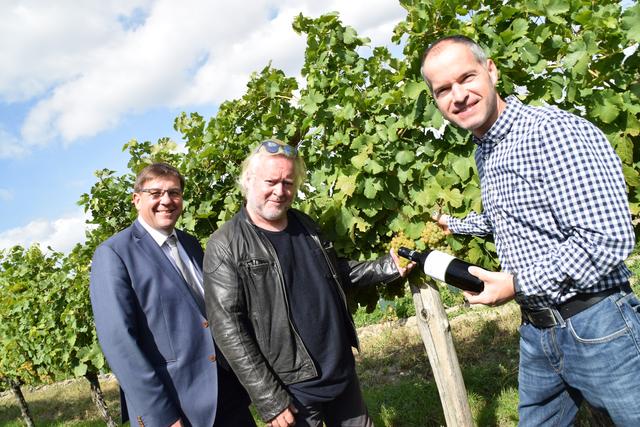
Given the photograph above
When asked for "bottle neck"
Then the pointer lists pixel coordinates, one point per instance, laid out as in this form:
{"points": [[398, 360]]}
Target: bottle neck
{"points": [[421, 257]]}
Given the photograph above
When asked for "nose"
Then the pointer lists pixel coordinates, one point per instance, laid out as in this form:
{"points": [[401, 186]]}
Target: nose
{"points": [[165, 199], [278, 189], [458, 92]]}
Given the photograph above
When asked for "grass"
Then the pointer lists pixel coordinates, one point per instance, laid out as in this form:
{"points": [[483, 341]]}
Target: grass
{"points": [[63, 404], [394, 371], [402, 307], [397, 377]]}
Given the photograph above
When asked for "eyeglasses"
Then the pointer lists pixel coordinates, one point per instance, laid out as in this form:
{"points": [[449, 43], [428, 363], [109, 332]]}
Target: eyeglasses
{"points": [[274, 146], [157, 193]]}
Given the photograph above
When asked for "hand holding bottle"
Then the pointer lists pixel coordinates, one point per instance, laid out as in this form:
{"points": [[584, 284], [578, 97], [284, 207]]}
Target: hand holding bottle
{"points": [[402, 270], [498, 287]]}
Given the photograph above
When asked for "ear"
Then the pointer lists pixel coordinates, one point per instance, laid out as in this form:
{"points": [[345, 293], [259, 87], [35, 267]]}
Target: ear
{"points": [[135, 198], [493, 71], [246, 180]]}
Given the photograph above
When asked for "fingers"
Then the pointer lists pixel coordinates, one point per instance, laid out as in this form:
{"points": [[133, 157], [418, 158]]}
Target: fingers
{"points": [[476, 297], [442, 220], [470, 295], [439, 217], [498, 287], [286, 418], [402, 270], [405, 270], [478, 272]]}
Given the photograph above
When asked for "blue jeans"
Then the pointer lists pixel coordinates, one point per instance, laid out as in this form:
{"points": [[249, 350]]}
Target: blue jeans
{"points": [[594, 355]]}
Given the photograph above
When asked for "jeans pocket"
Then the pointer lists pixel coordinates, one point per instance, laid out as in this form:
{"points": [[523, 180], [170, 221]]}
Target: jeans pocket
{"points": [[629, 306], [600, 323]]}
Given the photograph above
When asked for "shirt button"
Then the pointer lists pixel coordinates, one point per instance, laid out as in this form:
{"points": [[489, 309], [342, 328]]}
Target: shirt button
{"points": [[212, 358], [205, 324]]}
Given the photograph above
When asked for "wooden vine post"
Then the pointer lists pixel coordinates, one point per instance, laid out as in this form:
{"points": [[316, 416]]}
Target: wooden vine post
{"points": [[435, 331], [22, 402]]}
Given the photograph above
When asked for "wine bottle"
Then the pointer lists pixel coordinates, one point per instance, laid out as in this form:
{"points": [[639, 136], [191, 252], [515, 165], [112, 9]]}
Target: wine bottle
{"points": [[444, 267]]}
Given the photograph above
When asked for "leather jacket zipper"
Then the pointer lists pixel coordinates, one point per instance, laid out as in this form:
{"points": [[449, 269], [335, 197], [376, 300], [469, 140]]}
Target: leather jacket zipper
{"points": [[274, 256]]}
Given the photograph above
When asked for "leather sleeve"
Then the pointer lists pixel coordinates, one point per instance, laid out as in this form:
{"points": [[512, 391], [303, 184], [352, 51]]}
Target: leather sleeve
{"points": [[381, 271], [231, 328], [365, 273]]}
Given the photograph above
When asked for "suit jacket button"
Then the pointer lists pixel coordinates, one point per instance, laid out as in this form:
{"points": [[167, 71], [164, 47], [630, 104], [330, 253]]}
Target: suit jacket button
{"points": [[212, 358], [205, 324]]}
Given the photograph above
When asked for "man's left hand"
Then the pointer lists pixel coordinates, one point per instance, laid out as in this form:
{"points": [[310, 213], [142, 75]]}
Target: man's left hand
{"points": [[498, 287], [402, 270]]}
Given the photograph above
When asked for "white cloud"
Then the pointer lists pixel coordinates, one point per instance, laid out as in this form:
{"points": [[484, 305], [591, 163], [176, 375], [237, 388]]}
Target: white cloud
{"points": [[10, 147], [90, 63], [43, 43], [61, 234], [371, 18]]}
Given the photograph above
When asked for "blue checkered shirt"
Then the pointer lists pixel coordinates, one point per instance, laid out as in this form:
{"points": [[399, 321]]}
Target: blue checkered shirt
{"points": [[555, 200]]}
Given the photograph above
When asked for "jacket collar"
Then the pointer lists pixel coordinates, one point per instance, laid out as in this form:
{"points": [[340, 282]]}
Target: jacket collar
{"points": [[147, 244]]}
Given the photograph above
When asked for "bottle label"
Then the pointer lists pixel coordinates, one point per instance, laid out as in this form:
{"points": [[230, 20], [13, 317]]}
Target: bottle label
{"points": [[436, 264]]}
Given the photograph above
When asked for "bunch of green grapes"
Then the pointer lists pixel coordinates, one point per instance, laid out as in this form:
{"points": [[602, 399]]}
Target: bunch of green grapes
{"points": [[443, 247], [432, 235], [399, 240]]}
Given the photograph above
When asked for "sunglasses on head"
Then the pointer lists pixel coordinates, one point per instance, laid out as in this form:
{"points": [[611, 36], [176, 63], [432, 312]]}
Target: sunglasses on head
{"points": [[274, 146]]}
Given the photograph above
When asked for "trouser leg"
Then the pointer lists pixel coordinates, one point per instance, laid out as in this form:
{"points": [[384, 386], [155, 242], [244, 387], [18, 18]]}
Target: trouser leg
{"points": [[346, 410], [602, 352], [544, 396]]}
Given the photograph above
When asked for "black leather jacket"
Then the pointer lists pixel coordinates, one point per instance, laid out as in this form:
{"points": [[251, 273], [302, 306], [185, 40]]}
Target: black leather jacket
{"points": [[248, 310]]}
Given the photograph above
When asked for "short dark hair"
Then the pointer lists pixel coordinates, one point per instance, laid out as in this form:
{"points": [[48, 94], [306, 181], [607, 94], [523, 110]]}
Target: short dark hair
{"points": [[474, 47], [156, 170]]}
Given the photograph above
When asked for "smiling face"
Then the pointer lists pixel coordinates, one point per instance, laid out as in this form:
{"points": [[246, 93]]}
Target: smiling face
{"points": [[270, 190], [463, 88], [161, 213]]}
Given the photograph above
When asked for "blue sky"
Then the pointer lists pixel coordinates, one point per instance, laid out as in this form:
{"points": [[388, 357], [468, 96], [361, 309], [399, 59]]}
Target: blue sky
{"points": [[80, 79]]}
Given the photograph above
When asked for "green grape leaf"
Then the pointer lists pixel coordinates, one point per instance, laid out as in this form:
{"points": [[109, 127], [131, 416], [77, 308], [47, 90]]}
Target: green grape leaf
{"points": [[405, 157], [631, 22]]}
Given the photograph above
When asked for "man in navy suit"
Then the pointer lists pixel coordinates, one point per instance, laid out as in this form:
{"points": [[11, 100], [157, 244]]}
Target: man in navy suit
{"points": [[147, 299]]}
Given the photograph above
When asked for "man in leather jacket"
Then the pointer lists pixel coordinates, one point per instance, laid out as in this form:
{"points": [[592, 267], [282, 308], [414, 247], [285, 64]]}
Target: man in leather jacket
{"points": [[274, 295]]}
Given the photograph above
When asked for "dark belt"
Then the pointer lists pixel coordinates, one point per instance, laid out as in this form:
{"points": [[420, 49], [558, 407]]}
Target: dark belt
{"points": [[546, 317]]}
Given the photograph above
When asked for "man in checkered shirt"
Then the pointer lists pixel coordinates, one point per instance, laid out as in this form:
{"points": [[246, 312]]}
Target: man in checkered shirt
{"points": [[554, 199]]}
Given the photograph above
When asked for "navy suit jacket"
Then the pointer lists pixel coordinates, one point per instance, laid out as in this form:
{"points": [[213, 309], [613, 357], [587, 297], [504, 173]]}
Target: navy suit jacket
{"points": [[152, 332]]}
